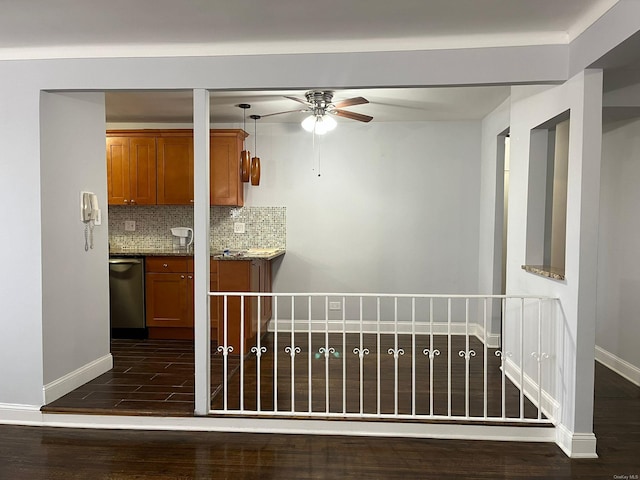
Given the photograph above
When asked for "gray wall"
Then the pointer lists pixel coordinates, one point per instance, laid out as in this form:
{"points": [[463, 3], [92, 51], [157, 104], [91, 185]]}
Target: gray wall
{"points": [[75, 294], [577, 293], [618, 307], [395, 209]]}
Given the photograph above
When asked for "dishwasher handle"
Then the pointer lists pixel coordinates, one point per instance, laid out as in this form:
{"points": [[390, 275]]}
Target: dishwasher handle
{"points": [[125, 261]]}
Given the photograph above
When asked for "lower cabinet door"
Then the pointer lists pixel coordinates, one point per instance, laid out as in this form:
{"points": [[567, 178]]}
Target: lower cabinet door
{"points": [[169, 300]]}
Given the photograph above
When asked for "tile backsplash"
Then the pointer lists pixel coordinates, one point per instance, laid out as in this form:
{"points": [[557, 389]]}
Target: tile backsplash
{"points": [[265, 227]]}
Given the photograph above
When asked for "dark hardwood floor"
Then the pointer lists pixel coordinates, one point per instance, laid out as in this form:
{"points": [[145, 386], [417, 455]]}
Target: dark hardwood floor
{"points": [[60, 453], [155, 377]]}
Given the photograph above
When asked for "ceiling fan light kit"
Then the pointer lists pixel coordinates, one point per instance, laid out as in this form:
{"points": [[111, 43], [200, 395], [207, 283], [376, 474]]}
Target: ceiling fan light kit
{"points": [[319, 124], [321, 108]]}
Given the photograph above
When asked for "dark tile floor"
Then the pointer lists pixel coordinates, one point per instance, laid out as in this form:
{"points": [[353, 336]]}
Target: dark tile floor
{"points": [[149, 377]]}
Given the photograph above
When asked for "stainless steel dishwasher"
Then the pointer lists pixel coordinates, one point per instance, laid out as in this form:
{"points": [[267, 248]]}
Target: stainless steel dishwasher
{"points": [[126, 297]]}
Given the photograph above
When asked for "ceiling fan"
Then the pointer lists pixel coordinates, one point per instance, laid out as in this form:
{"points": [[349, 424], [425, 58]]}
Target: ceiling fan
{"points": [[320, 105]]}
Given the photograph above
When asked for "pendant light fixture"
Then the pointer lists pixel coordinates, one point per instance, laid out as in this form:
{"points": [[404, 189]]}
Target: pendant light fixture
{"points": [[255, 161], [245, 155]]}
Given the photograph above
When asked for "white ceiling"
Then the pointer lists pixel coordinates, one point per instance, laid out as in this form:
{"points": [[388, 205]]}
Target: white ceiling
{"points": [[116, 28], [89, 28], [386, 105]]}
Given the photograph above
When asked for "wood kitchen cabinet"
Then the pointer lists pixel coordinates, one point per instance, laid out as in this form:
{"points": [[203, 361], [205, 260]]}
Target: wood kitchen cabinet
{"points": [[169, 297], [225, 172], [243, 276], [156, 167], [175, 169], [131, 170]]}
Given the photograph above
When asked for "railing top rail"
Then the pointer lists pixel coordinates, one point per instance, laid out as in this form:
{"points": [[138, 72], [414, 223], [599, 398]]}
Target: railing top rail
{"points": [[389, 295]]}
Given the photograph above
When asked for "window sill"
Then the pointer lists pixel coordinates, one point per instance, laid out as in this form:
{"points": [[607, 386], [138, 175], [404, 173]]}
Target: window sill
{"points": [[545, 271]]}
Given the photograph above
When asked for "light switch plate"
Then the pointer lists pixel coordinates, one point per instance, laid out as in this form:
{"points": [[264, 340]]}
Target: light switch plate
{"points": [[238, 227], [129, 225]]}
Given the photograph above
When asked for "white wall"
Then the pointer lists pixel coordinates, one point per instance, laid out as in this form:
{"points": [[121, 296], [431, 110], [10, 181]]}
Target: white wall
{"points": [[395, 209], [75, 295], [20, 255], [491, 209], [576, 294], [618, 306]]}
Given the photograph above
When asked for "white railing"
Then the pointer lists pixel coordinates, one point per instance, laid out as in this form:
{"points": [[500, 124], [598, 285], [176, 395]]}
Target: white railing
{"points": [[405, 357]]}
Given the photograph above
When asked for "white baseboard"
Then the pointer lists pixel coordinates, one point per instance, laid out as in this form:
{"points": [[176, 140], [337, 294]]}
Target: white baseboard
{"points": [[618, 365], [72, 380], [301, 426], [387, 327], [576, 445], [550, 406], [18, 414]]}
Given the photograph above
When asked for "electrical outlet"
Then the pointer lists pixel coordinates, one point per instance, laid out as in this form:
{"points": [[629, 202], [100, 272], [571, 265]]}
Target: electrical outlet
{"points": [[334, 306], [129, 225], [238, 227]]}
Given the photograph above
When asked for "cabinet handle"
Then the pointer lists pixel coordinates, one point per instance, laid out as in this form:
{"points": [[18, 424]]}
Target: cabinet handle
{"points": [[126, 201], [191, 200], [190, 277], [165, 265], [181, 276], [133, 201]]}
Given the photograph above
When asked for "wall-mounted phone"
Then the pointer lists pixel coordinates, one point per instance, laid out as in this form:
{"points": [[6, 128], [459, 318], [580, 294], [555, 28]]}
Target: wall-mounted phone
{"points": [[90, 216]]}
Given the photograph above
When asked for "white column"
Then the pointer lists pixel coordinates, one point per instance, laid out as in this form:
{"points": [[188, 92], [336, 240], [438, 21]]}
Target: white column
{"points": [[202, 329]]}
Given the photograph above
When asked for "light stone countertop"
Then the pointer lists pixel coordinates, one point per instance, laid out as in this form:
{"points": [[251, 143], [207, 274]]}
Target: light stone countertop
{"points": [[250, 254]]}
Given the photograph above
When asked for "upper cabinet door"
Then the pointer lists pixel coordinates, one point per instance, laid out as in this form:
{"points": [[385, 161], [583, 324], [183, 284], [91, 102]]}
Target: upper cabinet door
{"points": [[118, 170], [142, 170], [226, 181], [175, 170]]}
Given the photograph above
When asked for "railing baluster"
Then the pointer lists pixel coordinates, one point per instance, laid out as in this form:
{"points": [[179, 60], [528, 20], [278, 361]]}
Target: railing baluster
{"points": [[449, 356], [293, 355], [413, 356], [503, 353], [225, 351], [466, 364], [241, 353], [309, 361], [361, 357], [378, 355], [326, 354], [259, 349], [485, 350], [395, 355], [276, 352], [431, 356], [539, 358], [344, 355], [522, 358]]}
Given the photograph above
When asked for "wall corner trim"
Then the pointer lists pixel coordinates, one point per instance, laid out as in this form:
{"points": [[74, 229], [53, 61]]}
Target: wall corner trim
{"points": [[576, 445], [618, 365], [72, 380]]}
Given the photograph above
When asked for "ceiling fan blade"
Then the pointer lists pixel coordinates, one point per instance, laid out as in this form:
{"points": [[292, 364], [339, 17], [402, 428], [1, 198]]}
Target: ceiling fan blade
{"points": [[281, 113], [350, 102], [300, 100], [352, 115]]}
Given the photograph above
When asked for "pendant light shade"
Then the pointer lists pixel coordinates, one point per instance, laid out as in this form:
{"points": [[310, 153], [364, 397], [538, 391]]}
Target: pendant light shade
{"points": [[245, 155], [255, 161], [245, 165]]}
